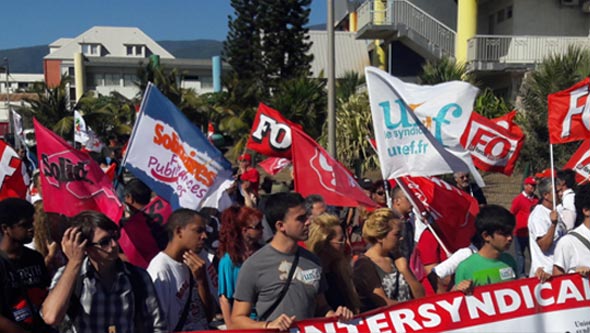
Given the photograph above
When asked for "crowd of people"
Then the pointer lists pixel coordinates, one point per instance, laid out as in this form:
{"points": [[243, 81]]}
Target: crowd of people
{"points": [[271, 258]]}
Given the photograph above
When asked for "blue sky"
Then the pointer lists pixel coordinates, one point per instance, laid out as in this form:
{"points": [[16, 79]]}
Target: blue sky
{"points": [[40, 22]]}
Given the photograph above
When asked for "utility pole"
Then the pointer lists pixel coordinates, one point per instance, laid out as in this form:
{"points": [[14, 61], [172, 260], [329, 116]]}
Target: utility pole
{"points": [[331, 82]]}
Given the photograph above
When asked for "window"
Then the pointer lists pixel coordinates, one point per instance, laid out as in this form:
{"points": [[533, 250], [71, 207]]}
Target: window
{"points": [[501, 15], [91, 49], [509, 12], [129, 80], [112, 79], [135, 50]]}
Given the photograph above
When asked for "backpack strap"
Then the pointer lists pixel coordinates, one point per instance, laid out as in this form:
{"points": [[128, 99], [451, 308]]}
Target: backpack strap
{"points": [[581, 239]]}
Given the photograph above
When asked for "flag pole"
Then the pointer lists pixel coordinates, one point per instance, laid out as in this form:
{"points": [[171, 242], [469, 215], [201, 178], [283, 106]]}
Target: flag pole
{"points": [[385, 182], [552, 175]]}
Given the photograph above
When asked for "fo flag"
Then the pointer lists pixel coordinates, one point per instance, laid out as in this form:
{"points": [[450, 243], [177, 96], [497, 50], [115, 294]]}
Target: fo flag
{"points": [[171, 155], [569, 113], [452, 210], [492, 146], [71, 181], [271, 133], [316, 172], [274, 165], [13, 176], [418, 128], [580, 162]]}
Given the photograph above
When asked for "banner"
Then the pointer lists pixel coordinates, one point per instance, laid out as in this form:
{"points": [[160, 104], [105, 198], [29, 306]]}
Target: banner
{"points": [[274, 165], [271, 133], [418, 128], [71, 181], [80, 130], [13, 174], [526, 305], [492, 146], [316, 172], [569, 113], [580, 162], [172, 156], [452, 211]]}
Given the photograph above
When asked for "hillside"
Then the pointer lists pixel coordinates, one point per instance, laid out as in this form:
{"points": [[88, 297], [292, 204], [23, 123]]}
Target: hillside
{"points": [[30, 59]]}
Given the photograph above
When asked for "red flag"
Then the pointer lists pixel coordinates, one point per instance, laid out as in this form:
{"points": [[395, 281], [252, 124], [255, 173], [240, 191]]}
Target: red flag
{"points": [[492, 146], [274, 165], [12, 181], [71, 181], [507, 121], [316, 172], [111, 171], [580, 162], [271, 133], [569, 113], [452, 210]]}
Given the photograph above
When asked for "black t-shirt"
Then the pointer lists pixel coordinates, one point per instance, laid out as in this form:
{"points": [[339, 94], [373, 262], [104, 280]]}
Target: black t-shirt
{"points": [[29, 273]]}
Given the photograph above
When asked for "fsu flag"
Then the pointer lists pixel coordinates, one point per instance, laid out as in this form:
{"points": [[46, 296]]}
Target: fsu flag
{"points": [[271, 133], [316, 172], [569, 113], [492, 146], [13, 179], [452, 210], [71, 181], [274, 165], [580, 162], [418, 128]]}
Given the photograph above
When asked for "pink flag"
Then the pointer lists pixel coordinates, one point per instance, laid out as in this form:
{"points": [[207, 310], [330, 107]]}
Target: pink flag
{"points": [[274, 165], [71, 181]]}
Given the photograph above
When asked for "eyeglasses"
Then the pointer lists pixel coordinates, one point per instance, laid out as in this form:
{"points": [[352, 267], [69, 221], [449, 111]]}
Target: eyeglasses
{"points": [[107, 241], [259, 226], [380, 192], [342, 242]]}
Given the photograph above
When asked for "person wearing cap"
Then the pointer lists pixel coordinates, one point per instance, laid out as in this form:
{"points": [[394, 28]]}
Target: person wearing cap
{"points": [[249, 177], [521, 207]]}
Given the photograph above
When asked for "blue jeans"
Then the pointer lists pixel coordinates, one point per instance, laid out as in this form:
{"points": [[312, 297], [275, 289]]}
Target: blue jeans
{"points": [[521, 244]]}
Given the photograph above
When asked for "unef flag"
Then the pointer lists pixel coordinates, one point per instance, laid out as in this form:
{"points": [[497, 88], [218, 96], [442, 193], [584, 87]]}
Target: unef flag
{"points": [[271, 133], [316, 172], [171, 155], [418, 128], [492, 146], [569, 113], [13, 177], [71, 181]]}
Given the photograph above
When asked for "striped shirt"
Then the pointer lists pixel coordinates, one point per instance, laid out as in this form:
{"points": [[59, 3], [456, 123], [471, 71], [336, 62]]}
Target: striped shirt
{"points": [[104, 310]]}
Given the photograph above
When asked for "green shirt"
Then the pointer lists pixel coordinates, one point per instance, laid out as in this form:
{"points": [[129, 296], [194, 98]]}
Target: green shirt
{"points": [[483, 271]]}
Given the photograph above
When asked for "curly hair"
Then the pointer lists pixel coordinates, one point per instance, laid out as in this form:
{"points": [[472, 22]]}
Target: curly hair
{"points": [[231, 240], [321, 232], [377, 224]]}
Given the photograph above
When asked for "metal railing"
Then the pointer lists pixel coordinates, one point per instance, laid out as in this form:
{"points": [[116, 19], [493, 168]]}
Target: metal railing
{"points": [[519, 49], [404, 13]]}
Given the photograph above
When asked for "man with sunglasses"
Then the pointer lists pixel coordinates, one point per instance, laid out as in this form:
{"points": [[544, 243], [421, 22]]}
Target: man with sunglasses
{"points": [[179, 274], [96, 290], [23, 276], [464, 183]]}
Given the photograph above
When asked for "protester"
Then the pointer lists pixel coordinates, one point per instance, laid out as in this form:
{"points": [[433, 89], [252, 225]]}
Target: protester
{"points": [[179, 274], [572, 253], [545, 229], [401, 204], [463, 183], [241, 230], [494, 226], [378, 193], [282, 264], [315, 205], [522, 205], [96, 290], [43, 242], [23, 275], [249, 180], [327, 241], [381, 275], [564, 185], [137, 196], [442, 275], [429, 253]]}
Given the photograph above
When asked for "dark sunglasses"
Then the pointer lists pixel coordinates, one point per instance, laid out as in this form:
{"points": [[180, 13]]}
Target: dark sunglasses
{"points": [[107, 241], [259, 226], [380, 192]]}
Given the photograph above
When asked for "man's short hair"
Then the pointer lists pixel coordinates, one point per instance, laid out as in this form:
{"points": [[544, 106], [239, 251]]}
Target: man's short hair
{"points": [[397, 192], [582, 199], [88, 221], [138, 191], [311, 200], [494, 218], [277, 206], [568, 176], [544, 186], [13, 210], [180, 218]]}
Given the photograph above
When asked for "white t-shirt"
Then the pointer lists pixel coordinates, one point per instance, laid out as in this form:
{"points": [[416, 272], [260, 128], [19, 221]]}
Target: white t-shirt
{"points": [[571, 253], [567, 208], [449, 266], [172, 280], [539, 224]]}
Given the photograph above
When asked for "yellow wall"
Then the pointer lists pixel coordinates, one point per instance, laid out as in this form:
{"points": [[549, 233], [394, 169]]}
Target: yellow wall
{"points": [[466, 27]]}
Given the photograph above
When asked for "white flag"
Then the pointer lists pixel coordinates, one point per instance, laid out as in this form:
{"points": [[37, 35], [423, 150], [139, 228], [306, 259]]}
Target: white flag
{"points": [[17, 123], [418, 128], [80, 130]]}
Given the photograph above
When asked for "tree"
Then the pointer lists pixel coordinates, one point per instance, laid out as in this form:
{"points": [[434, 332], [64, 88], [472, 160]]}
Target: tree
{"points": [[555, 73], [443, 70], [107, 115]]}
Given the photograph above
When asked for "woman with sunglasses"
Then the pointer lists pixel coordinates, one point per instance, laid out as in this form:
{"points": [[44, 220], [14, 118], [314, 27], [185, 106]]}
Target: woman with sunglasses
{"points": [[241, 230], [327, 241]]}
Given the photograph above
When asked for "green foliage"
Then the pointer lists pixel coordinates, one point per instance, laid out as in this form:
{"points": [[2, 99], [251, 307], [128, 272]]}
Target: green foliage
{"points": [[555, 73], [347, 85], [489, 105], [443, 70], [107, 115]]}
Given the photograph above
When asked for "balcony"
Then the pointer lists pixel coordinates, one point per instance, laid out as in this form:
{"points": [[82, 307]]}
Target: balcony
{"points": [[495, 53], [404, 21]]}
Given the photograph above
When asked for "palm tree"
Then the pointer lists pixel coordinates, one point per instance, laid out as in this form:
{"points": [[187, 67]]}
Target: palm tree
{"points": [[444, 70], [107, 115]]}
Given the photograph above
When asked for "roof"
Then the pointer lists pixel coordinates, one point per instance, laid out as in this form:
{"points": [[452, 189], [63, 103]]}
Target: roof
{"points": [[350, 54], [113, 39]]}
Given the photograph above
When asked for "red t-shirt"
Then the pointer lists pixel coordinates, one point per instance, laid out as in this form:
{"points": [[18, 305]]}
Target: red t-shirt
{"points": [[251, 175], [521, 208], [430, 252]]}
